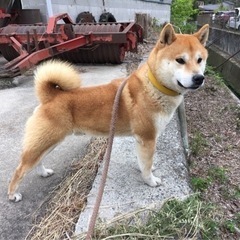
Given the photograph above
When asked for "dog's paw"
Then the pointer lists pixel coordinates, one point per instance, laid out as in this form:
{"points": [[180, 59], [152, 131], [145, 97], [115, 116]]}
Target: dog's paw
{"points": [[44, 172], [47, 172], [16, 197], [152, 181]]}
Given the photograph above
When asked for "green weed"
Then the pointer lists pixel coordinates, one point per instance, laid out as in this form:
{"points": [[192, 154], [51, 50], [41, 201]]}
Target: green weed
{"points": [[218, 174], [190, 218], [229, 225], [198, 143], [216, 75], [237, 194], [233, 225], [200, 184]]}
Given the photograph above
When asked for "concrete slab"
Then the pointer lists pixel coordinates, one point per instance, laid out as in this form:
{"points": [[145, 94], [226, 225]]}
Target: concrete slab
{"points": [[17, 104], [125, 191], [99, 74]]}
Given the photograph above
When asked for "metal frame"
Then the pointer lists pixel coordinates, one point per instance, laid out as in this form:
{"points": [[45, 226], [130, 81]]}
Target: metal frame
{"points": [[59, 38]]}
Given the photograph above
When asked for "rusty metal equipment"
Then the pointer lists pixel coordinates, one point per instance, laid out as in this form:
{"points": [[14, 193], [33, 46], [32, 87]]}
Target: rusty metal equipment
{"points": [[85, 17], [26, 45]]}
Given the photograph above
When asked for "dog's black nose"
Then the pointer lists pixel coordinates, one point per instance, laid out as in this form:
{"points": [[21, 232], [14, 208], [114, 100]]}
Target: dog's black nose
{"points": [[198, 79]]}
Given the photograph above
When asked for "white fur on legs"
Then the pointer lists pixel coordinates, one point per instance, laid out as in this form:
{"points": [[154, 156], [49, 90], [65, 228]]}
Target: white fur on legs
{"points": [[151, 180], [153, 168], [148, 176], [44, 172], [145, 152], [16, 197]]}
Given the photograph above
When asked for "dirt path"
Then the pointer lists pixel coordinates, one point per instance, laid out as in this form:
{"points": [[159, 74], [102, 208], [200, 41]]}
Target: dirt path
{"points": [[213, 117]]}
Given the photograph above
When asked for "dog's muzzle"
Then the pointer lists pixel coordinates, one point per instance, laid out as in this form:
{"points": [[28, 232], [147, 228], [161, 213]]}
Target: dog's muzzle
{"points": [[197, 81]]}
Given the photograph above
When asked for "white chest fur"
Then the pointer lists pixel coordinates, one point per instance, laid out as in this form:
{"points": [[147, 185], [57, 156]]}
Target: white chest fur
{"points": [[161, 121], [164, 117]]}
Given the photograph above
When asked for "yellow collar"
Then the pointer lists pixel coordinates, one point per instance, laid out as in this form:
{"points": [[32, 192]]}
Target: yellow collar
{"points": [[159, 86]]}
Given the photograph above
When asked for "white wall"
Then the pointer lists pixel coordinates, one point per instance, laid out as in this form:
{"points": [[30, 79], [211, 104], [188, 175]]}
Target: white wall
{"points": [[36, 4], [123, 10]]}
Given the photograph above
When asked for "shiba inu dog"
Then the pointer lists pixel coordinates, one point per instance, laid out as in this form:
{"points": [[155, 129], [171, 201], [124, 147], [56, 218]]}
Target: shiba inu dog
{"points": [[152, 94]]}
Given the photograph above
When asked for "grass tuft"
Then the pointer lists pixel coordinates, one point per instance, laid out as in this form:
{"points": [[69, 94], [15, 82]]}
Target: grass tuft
{"points": [[218, 174], [198, 143], [176, 219], [200, 184], [216, 75]]}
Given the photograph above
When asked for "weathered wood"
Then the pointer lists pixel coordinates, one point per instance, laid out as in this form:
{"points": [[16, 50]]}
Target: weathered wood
{"points": [[144, 20]]}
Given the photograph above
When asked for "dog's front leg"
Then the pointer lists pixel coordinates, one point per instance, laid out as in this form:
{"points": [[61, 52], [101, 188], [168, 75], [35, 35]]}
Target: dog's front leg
{"points": [[145, 151]]}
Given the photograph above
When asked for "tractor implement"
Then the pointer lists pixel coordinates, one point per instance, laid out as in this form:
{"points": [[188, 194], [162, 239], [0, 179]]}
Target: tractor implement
{"points": [[24, 46]]}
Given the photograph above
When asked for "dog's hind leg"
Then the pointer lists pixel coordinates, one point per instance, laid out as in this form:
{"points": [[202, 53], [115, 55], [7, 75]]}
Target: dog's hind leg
{"points": [[145, 152], [38, 142], [29, 159], [41, 170], [25, 166]]}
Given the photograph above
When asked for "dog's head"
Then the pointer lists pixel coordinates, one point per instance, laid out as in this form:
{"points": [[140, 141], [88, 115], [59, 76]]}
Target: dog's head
{"points": [[178, 60]]}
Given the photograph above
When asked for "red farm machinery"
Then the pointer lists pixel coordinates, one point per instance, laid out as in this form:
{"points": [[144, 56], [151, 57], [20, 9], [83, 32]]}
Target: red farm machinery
{"points": [[25, 45]]}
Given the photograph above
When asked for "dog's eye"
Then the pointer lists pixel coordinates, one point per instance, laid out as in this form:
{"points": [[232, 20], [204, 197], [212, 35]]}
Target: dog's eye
{"points": [[199, 60], [180, 61]]}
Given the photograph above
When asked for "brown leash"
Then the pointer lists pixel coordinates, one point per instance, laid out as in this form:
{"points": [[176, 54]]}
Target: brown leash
{"points": [[106, 161]]}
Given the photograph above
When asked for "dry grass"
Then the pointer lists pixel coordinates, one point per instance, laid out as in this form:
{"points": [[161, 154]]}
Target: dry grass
{"points": [[189, 218], [70, 197]]}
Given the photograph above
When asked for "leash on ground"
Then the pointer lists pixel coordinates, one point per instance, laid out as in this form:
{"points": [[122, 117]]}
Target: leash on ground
{"points": [[106, 161]]}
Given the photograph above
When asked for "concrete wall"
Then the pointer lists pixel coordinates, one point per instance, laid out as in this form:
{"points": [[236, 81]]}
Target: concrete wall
{"points": [[225, 40], [230, 70], [222, 45], [123, 10]]}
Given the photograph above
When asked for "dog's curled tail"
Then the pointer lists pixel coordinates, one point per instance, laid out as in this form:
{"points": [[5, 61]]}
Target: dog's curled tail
{"points": [[54, 76]]}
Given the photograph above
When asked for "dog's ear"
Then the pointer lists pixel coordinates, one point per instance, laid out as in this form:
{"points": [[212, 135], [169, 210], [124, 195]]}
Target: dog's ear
{"points": [[202, 34], [167, 35]]}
